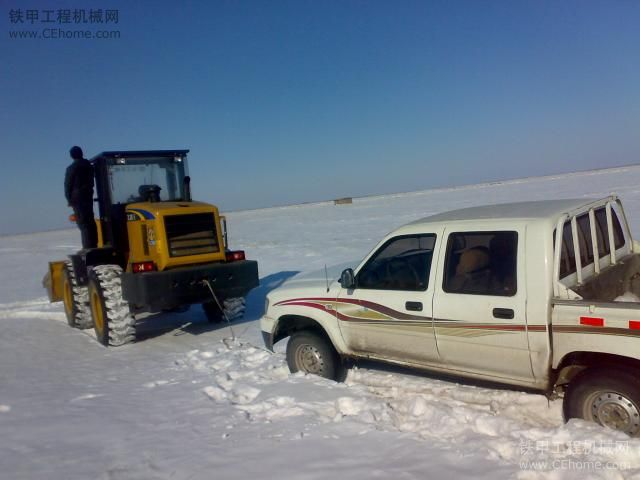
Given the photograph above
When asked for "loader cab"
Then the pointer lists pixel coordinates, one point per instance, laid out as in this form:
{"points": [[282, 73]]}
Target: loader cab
{"points": [[124, 177]]}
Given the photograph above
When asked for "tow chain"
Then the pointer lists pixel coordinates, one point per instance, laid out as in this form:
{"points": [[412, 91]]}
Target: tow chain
{"points": [[230, 340], [224, 314]]}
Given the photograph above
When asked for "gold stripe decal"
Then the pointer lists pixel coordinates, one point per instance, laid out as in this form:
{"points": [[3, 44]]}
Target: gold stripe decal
{"points": [[369, 313]]}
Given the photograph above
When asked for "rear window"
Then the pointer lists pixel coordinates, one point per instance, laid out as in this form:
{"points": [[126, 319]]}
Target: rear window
{"points": [[587, 257], [584, 237], [603, 236], [567, 257]]}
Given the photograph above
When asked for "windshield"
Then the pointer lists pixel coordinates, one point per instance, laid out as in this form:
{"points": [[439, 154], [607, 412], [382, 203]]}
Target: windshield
{"points": [[159, 179]]}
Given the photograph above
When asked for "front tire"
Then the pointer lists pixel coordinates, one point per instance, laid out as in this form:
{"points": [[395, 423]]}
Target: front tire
{"points": [[609, 397], [311, 353], [75, 299], [113, 322]]}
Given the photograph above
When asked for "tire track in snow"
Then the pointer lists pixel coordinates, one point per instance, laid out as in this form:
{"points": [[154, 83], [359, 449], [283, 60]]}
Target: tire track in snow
{"points": [[37, 308]]}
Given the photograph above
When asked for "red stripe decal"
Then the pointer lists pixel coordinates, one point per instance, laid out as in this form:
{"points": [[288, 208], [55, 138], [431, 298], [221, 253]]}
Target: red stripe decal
{"points": [[360, 303], [634, 324], [592, 321]]}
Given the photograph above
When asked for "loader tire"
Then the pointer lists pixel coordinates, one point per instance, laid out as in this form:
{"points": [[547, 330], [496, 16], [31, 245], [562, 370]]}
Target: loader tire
{"points": [[233, 308], [75, 299], [112, 318]]}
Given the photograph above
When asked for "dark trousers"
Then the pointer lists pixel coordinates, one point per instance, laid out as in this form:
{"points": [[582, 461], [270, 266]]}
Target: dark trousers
{"points": [[87, 225]]}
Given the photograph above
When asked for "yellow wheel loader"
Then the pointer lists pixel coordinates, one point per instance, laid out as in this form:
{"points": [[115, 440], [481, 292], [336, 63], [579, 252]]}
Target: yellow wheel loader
{"points": [[158, 250]]}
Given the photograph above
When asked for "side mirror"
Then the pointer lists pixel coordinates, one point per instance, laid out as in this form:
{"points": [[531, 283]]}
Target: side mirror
{"points": [[348, 279]]}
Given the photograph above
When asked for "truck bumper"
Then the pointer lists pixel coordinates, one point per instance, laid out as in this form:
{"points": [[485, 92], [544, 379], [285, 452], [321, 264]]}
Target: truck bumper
{"points": [[155, 291]]}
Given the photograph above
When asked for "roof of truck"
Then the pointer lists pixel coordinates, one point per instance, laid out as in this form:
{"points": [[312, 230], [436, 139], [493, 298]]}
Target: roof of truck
{"points": [[543, 209]]}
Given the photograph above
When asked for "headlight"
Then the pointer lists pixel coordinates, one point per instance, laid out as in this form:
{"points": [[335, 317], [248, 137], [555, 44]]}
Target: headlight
{"points": [[266, 305]]}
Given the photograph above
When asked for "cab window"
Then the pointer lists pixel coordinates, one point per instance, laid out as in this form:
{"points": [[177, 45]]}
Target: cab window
{"points": [[402, 263]]}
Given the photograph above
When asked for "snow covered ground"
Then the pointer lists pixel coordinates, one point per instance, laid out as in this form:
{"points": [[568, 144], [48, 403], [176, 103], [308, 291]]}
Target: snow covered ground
{"points": [[184, 404]]}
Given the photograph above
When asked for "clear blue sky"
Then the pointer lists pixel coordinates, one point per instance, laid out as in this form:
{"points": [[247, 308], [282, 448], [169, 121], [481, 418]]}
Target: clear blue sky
{"points": [[293, 101]]}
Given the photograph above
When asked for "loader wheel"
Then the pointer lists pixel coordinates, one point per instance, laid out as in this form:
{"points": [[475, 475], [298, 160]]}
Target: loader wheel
{"points": [[75, 299], [609, 397], [113, 322], [233, 308]]}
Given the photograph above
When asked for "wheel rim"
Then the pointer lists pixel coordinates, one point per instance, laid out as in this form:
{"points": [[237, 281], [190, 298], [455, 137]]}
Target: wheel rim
{"points": [[615, 411], [96, 311], [68, 298], [309, 359]]}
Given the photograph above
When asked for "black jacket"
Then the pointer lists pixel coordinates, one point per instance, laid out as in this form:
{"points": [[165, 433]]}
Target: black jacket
{"points": [[78, 183]]}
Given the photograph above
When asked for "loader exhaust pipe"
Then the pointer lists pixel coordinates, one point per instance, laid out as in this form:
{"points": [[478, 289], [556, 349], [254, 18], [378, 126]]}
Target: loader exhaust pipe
{"points": [[187, 188]]}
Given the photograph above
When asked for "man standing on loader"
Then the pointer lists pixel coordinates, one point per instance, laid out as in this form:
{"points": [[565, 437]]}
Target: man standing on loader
{"points": [[78, 188]]}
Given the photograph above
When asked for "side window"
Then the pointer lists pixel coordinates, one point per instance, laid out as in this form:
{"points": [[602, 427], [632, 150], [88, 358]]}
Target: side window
{"points": [[402, 263], [481, 263]]}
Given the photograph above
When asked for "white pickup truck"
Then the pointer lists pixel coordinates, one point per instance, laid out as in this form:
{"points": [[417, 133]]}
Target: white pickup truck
{"points": [[534, 294]]}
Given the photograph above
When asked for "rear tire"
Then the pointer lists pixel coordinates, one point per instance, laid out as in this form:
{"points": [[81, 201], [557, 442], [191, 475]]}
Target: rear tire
{"points": [[75, 299], [113, 322], [233, 308], [312, 353], [609, 397]]}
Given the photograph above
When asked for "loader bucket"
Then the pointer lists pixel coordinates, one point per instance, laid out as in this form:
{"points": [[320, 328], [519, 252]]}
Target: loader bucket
{"points": [[52, 281]]}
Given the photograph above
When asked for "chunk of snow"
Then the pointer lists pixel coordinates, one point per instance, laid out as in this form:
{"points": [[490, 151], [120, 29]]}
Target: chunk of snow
{"points": [[627, 297], [242, 394], [215, 393], [349, 406]]}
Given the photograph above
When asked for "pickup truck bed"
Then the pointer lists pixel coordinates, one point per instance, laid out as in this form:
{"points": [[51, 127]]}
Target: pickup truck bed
{"points": [[613, 281]]}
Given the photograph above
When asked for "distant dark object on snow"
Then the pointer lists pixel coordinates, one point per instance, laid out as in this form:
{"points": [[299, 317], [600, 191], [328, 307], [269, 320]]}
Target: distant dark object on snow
{"points": [[343, 201]]}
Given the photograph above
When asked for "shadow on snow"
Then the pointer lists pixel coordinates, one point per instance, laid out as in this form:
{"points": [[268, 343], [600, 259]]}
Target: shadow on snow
{"points": [[194, 322]]}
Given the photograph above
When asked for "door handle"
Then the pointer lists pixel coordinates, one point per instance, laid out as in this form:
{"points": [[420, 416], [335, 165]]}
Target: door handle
{"points": [[413, 306], [506, 313]]}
